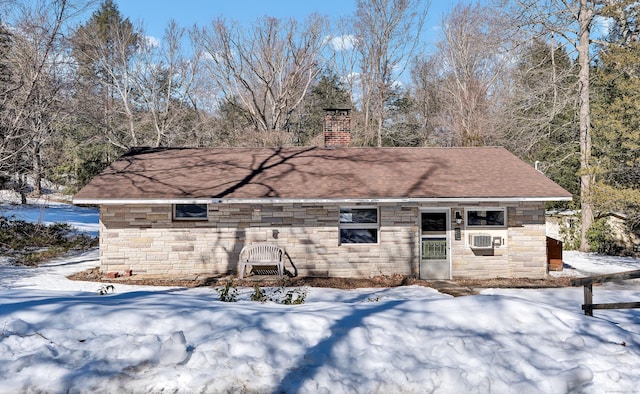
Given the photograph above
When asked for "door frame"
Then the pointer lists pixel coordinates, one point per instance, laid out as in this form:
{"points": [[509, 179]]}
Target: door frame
{"points": [[447, 212]]}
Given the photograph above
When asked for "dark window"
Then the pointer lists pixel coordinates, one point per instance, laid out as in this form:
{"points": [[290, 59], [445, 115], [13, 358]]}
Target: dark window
{"points": [[190, 211], [434, 222], [358, 225], [486, 218], [358, 215], [358, 236]]}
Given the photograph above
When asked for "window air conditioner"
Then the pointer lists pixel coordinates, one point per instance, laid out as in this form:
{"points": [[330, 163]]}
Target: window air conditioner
{"points": [[481, 241]]}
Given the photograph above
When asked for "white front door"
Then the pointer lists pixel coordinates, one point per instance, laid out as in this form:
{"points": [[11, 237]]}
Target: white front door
{"points": [[435, 262]]}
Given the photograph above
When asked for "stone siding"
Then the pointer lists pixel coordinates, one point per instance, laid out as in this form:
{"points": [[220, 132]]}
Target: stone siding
{"points": [[147, 240], [524, 254]]}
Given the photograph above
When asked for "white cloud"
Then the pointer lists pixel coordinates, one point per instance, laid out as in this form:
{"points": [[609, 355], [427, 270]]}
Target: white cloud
{"points": [[152, 42], [342, 43], [602, 25], [215, 57]]}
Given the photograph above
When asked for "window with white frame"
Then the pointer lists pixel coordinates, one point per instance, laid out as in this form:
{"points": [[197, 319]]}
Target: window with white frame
{"points": [[359, 225], [486, 217], [190, 211]]}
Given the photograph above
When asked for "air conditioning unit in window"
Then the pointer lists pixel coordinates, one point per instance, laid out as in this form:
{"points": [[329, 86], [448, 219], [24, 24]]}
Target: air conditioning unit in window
{"points": [[480, 241]]}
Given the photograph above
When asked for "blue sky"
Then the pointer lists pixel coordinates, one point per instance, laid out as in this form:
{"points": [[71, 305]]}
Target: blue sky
{"points": [[155, 14]]}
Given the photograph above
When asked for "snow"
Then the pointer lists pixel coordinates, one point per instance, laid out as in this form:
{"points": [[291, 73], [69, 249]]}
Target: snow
{"points": [[46, 211], [58, 335]]}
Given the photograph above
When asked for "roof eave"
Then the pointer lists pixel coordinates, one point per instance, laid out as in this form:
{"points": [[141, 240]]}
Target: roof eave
{"points": [[123, 201]]}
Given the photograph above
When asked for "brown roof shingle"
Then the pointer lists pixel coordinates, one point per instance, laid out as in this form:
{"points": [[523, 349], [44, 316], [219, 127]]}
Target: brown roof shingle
{"points": [[319, 173]]}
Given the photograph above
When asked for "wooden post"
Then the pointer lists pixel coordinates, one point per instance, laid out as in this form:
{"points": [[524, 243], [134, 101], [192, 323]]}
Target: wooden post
{"points": [[588, 299], [589, 306], [606, 278]]}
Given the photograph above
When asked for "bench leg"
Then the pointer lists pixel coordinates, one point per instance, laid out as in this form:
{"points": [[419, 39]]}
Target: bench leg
{"points": [[243, 267]]}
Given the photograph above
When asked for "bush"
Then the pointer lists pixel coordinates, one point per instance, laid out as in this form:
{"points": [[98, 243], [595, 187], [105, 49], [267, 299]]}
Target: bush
{"points": [[30, 243], [258, 294], [288, 297], [570, 233], [600, 239], [228, 293], [633, 224], [280, 295], [295, 297]]}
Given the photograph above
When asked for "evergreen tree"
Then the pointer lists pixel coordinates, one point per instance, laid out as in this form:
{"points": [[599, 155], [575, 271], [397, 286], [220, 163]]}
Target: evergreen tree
{"points": [[616, 115], [5, 67], [616, 118], [327, 92], [98, 44], [101, 47]]}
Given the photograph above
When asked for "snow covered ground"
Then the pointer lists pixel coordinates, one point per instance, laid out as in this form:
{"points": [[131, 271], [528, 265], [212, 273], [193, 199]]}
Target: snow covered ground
{"points": [[60, 336], [47, 211]]}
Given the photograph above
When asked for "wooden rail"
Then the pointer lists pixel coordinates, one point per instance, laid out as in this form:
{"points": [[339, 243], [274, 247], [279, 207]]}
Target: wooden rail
{"points": [[588, 282]]}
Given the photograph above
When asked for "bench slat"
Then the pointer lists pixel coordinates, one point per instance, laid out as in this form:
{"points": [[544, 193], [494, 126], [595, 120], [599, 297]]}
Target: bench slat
{"points": [[261, 254]]}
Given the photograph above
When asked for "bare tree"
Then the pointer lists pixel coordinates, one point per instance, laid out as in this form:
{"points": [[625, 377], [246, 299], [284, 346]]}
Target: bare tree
{"points": [[573, 21], [104, 47], [428, 96], [266, 70], [473, 57], [385, 35], [139, 88], [163, 78], [33, 105], [541, 102]]}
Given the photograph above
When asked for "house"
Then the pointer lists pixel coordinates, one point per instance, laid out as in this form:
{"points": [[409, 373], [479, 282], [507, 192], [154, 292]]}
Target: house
{"points": [[436, 213]]}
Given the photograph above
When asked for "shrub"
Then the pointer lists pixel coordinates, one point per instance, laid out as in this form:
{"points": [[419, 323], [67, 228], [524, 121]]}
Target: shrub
{"points": [[294, 297], [600, 239], [105, 289], [258, 294], [633, 223], [228, 293], [570, 234], [289, 297], [280, 295], [30, 243]]}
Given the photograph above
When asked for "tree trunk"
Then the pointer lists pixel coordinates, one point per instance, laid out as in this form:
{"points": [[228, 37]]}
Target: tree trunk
{"points": [[380, 100], [585, 18], [22, 188], [37, 170]]}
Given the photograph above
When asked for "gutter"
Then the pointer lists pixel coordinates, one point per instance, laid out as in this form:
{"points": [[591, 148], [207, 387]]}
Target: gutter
{"points": [[123, 201]]}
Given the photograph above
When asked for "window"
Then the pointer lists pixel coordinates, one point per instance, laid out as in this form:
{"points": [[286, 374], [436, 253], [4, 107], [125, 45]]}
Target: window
{"points": [[190, 211], [486, 218], [358, 225]]}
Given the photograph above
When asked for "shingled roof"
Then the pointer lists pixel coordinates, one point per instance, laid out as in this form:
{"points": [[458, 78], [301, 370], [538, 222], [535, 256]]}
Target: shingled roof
{"points": [[312, 173]]}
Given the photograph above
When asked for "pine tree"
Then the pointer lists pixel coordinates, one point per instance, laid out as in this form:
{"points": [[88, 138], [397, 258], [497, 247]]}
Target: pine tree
{"points": [[615, 115]]}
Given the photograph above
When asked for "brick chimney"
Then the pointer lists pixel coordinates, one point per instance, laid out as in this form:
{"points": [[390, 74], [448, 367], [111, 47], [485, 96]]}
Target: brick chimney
{"points": [[337, 127]]}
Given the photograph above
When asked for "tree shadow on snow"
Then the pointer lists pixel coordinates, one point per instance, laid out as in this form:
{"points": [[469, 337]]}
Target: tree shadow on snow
{"points": [[316, 356]]}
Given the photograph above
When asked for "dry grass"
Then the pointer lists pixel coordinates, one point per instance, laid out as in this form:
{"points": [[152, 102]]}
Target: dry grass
{"points": [[95, 275], [515, 283]]}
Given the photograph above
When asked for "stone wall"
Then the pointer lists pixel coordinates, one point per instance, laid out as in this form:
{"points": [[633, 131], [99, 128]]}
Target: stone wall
{"points": [[146, 240], [523, 255]]}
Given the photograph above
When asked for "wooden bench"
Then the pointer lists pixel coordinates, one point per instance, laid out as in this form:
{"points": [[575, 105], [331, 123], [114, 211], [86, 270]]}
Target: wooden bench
{"points": [[258, 255]]}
